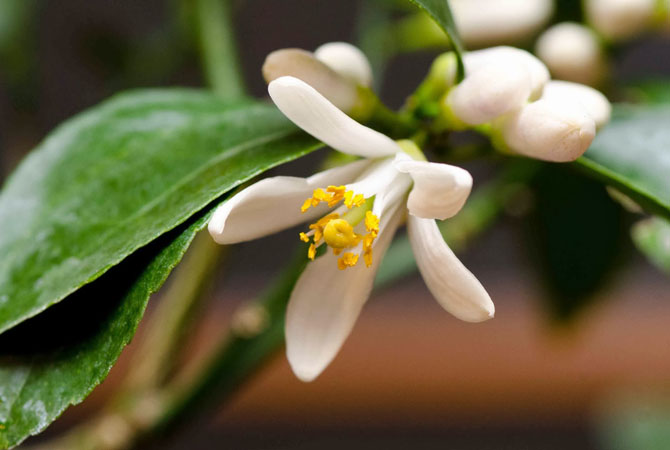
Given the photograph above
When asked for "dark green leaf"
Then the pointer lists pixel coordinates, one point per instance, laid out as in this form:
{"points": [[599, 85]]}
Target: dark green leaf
{"points": [[54, 360], [440, 12], [652, 237], [116, 177], [632, 154], [576, 233]]}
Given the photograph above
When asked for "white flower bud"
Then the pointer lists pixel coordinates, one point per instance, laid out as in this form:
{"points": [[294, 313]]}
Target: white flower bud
{"points": [[539, 74], [489, 22], [572, 52], [347, 60], [489, 92], [549, 130], [620, 19], [595, 104], [301, 64]]}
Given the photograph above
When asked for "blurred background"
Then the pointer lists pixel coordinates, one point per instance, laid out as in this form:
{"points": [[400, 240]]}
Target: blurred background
{"points": [[577, 357]]}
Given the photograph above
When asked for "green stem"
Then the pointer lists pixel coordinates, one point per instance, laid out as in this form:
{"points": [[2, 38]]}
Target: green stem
{"points": [[217, 44]]}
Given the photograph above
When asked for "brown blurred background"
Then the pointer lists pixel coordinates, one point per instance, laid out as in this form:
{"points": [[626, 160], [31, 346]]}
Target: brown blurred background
{"points": [[410, 376]]}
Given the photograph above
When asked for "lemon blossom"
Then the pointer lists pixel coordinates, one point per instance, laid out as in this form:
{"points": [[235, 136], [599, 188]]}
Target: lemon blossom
{"points": [[354, 211]]}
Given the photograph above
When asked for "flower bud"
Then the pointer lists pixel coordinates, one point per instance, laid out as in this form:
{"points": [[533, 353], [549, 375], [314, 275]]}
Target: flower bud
{"points": [[620, 19], [595, 104], [340, 91], [572, 52], [539, 74], [547, 129], [347, 60], [489, 22], [489, 92]]}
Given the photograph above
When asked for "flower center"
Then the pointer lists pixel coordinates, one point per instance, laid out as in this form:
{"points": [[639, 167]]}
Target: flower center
{"points": [[338, 231]]}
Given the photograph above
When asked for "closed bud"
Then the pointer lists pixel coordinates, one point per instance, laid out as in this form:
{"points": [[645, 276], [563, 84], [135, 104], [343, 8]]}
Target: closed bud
{"points": [[339, 90], [510, 56], [572, 52], [620, 19], [547, 129], [489, 92], [595, 104], [488, 22], [347, 60]]}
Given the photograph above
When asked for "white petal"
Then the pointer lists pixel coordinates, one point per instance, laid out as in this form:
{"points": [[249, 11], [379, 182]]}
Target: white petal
{"points": [[550, 130], [572, 52], [347, 60], [273, 204], [595, 103], [440, 190], [489, 92], [326, 302], [312, 112], [450, 282], [304, 65], [539, 74]]}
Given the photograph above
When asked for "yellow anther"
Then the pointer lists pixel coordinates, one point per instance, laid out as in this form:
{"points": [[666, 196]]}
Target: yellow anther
{"points": [[311, 253], [306, 205], [337, 251], [304, 237], [367, 249], [371, 223], [348, 259], [351, 200], [340, 234]]}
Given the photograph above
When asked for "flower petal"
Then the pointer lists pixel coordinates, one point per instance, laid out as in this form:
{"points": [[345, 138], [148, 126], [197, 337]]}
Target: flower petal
{"points": [[489, 92], [594, 102], [440, 190], [326, 302], [273, 204], [312, 112], [347, 60], [450, 282], [337, 88]]}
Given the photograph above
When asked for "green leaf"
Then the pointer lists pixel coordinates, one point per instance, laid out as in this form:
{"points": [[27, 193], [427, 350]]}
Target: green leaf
{"points": [[116, 177], [40, 378], [440, 12], [632, 154], [652, 237], [650, 91], [576, 232]]}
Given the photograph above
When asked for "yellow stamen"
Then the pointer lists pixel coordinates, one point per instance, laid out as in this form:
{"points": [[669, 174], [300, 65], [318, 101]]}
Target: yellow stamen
{"points": [[348, 259], [371, 223], [338, 232]]}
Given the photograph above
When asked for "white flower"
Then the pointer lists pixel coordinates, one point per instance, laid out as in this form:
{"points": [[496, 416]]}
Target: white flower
{"points": [[356, 209], [497, 80], [486, 22], [620, 19], [555, 128], [572, 52]]}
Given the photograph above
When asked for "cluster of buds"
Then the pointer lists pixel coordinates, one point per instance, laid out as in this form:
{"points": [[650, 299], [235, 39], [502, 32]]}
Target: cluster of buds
{"points": [[507, 93], [577, 52]]}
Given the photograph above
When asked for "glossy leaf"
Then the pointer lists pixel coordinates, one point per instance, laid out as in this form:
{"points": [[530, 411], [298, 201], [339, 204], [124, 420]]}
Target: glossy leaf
{"points": [[632, 154], [440, 12], [40, 378], [116, 177], [652, 237], [576, 233]]}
